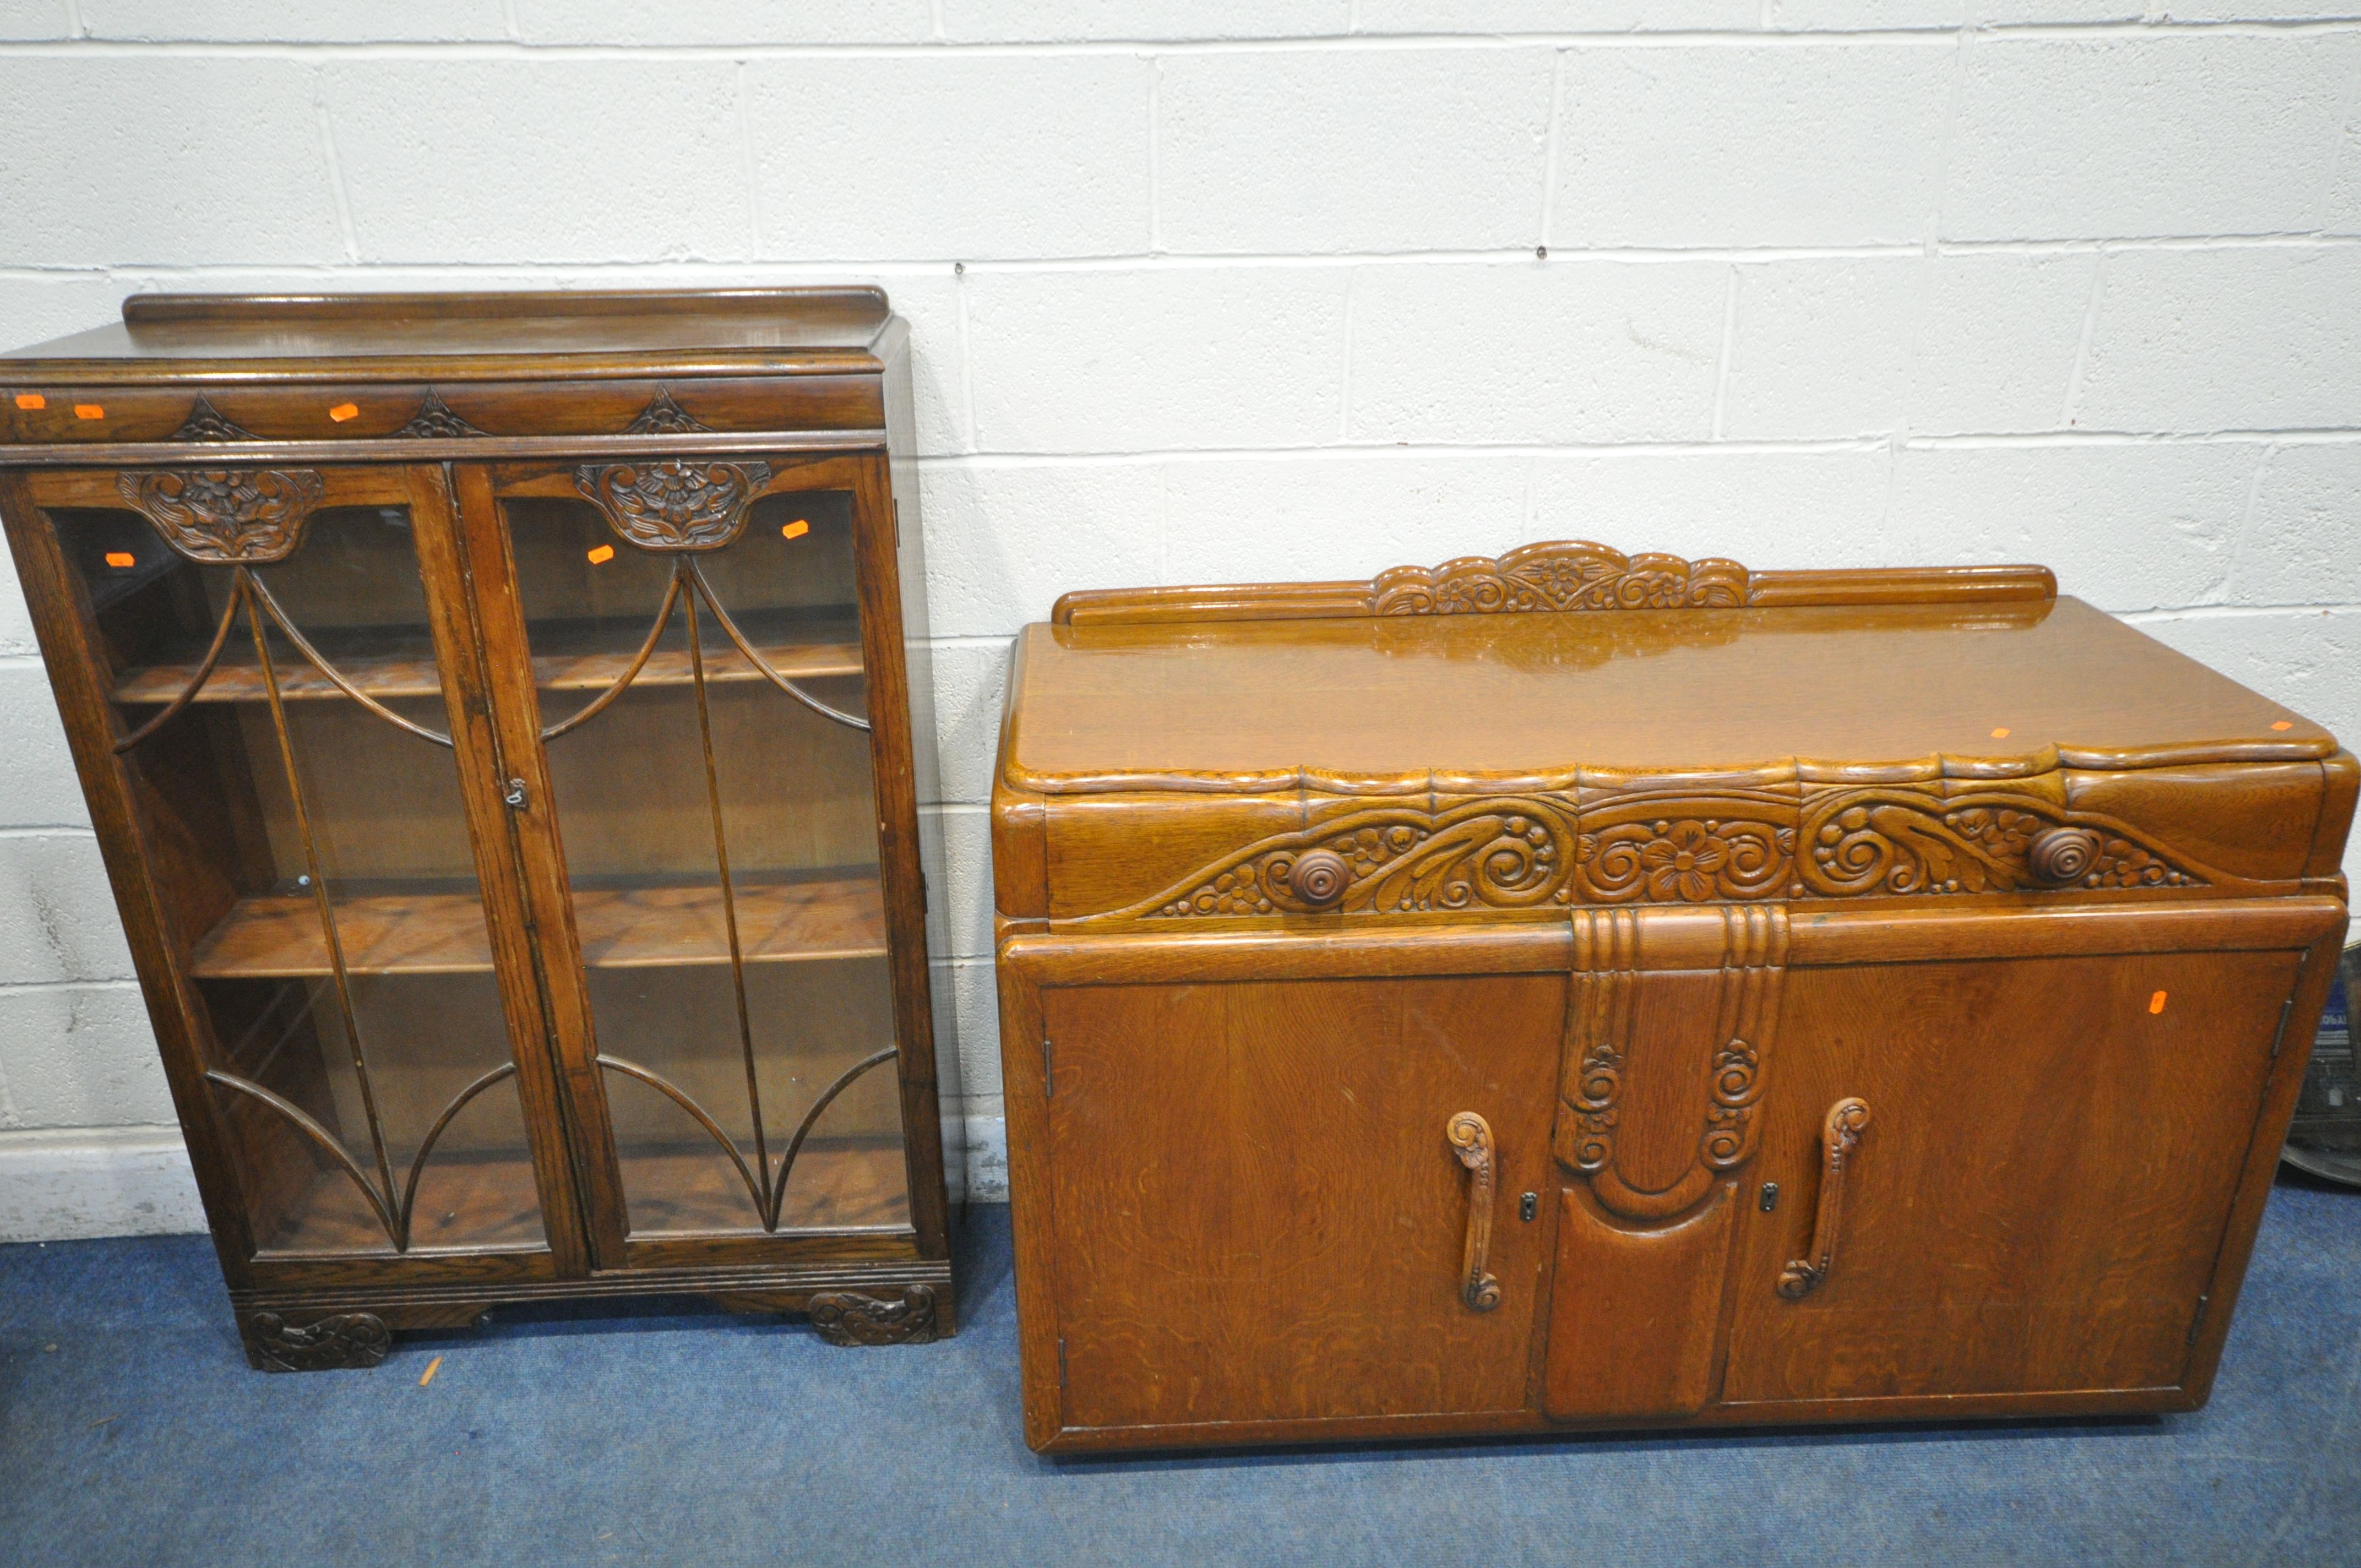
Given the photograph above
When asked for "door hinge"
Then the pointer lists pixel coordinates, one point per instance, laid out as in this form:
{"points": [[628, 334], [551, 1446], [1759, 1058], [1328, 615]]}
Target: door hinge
{"points": [[1048, 1071], [513, 793], [2198, 1322], [898, 527], [925, 905], [1062, 1364]]}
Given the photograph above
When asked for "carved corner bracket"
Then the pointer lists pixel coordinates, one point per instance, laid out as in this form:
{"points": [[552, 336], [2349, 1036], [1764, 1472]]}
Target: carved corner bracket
{"points": [[855, 1317], [1607, 1050], [344, 1340], [248, 516], [1571, 575], [674, 504]]}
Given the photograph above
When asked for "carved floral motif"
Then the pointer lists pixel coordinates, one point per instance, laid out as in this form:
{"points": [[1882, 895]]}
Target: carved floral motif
{"points": [[1682, 860], [664, 417], [1528, 852], [1576, 575], [226, 514], [436, 421], [205, 424], [347, 1339], [673, 504], [854, 1317]]}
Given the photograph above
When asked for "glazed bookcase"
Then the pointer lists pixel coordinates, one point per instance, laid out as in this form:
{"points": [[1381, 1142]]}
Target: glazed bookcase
{"points": [[504, 719]]}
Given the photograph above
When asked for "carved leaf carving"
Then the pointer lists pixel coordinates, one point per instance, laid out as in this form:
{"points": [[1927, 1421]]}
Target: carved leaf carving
{"points": [[854, 1317], [253, 516], [347, 1339], [1574, 574], [673, 504]]}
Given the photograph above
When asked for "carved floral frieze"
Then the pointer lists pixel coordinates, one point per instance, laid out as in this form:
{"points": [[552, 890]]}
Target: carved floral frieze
{"points": [[1672, 847]]}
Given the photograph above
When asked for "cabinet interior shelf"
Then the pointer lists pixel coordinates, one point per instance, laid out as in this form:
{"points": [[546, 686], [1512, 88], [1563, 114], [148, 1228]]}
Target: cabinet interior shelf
{"points": [[441, 931], [568, 656]]}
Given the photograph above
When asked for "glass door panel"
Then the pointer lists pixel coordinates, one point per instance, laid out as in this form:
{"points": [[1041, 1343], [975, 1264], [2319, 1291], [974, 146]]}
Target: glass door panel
{"points": [[284, 729], [705, 720]]}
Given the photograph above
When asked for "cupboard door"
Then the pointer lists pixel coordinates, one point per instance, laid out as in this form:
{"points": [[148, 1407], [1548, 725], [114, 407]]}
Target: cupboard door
{"points": [[284, 722], [1261, 1211], [703, 702], [2035, 1159]]}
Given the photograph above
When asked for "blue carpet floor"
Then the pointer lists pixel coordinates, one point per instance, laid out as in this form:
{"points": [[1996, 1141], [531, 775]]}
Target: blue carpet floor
{"points": [[131, 1432]]}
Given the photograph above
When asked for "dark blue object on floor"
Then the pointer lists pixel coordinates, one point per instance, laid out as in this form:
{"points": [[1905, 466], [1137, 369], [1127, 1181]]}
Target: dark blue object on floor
{"points": [[131, 1432]]}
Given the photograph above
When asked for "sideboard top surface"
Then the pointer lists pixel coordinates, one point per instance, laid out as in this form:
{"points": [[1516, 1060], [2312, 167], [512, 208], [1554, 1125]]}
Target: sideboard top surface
{"points": [[1991, 690], [164, 338]]}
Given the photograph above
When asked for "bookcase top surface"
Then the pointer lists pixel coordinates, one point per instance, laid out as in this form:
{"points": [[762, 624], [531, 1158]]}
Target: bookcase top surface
{"points": [[166, 336], [1375, 702]]}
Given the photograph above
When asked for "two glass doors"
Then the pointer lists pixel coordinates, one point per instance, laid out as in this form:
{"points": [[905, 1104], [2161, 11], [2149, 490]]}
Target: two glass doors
{"points": [[414, 1042]]}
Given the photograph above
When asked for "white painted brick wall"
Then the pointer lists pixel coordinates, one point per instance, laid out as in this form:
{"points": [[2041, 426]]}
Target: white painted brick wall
{"points": [[1210, 289]]}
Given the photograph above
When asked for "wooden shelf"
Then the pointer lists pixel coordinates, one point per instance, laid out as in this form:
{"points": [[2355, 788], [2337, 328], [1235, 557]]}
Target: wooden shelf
{"points": [[277, 935], [389, 663], [469, 1204]]}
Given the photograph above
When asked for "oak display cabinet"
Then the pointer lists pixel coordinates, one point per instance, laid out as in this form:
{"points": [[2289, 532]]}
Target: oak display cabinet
{"points": [[1577, 991], [504, 718]]}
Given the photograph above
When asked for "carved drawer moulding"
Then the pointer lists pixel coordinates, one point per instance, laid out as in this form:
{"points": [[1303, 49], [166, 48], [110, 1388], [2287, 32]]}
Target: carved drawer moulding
{"points": [[1542, 852]]}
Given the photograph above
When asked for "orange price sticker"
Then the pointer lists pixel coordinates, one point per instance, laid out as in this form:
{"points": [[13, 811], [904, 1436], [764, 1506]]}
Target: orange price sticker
{"points": [[89, 410], [601, 556], [2000, 733], [344, 412], [121, 558], [2283, 724], [795, 530], [31, 401], [2156, 1002]]}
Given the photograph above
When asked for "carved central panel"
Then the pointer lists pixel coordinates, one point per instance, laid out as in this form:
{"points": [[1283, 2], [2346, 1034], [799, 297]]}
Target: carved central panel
{"points": [[1576, 575], [1665, 1052]]}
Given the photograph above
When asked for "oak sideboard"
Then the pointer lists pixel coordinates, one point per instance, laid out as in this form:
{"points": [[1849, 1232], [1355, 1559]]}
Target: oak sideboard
{"points": [[1578, 989], [503, 716]]}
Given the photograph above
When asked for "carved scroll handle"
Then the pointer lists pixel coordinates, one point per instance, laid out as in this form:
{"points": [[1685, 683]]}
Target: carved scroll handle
{"points": [[1840, 1135], [1471, 1140]]}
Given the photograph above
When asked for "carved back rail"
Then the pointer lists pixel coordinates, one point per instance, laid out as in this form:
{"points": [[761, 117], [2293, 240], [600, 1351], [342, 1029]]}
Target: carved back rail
{"points": [[1561, 575]]}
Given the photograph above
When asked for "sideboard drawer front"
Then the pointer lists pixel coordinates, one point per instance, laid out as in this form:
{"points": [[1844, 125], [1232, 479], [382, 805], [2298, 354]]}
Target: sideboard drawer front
{"points": [[1177, 861], [1259, 1214]]}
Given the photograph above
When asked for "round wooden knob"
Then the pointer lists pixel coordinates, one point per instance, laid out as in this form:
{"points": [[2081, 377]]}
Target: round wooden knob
{"points": [[2060, 855], [1319, 878]]}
